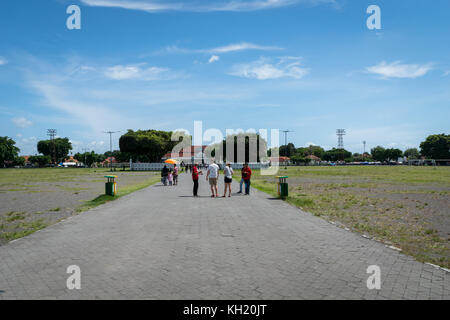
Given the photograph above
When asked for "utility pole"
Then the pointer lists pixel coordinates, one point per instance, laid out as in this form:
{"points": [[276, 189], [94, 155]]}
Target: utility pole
{"points": [[110, 146], [285, 138], [85, 151], [52, 134]]}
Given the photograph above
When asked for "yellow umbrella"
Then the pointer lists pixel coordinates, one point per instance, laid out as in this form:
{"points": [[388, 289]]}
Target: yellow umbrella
{"points": [[171, 161]]}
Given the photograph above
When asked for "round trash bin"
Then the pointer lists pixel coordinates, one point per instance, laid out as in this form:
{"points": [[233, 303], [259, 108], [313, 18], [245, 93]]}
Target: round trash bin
{"points": [[111, 186], [283, 187]]}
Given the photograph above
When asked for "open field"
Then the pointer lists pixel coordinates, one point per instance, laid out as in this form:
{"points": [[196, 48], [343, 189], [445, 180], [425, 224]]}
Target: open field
{"points": [[407, 207], [32, 199]]}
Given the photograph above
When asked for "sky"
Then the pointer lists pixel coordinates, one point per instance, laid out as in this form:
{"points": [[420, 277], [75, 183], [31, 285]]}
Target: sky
{"points": [[308, 66]]}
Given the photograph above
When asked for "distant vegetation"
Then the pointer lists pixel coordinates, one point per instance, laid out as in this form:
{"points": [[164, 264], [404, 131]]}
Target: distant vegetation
{"points": [[434, 147], [151, 145]]}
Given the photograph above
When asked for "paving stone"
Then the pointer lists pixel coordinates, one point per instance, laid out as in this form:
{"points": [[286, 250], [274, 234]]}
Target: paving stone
{"points": [[161, 243]]}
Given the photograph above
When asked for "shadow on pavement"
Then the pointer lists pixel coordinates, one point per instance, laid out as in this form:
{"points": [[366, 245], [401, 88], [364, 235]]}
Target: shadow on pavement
{"points": [[193, 196]]}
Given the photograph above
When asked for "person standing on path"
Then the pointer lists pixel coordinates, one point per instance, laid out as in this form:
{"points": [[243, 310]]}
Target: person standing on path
{"points": [[213, 174], [242, 180], [246, 175], [164, 175], [175, 175], [228, 173], [170, 177], [195, 174]]}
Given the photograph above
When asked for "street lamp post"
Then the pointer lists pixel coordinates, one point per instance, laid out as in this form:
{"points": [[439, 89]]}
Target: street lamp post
{"points": [[110, 147], [364, 153]]}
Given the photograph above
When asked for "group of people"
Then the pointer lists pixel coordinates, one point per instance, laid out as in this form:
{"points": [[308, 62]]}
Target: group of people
{"points": [[212, 176], [169, 176]]}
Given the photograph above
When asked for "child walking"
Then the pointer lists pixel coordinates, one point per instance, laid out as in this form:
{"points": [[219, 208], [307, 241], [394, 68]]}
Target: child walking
{"points": [[170, 178]]}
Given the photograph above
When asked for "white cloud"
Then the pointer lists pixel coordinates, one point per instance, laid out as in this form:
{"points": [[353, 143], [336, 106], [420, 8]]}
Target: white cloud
{"points": [[27, 146], [213, 59], [240, 47], [21, 122], [234, 47], [267, 105], [101, 101], [97, 143], [91, 113], [264, 69], [3, 61], [136, 72], [29, 140], [398, 70], [446, 73], [87, 68], [154, 6]]}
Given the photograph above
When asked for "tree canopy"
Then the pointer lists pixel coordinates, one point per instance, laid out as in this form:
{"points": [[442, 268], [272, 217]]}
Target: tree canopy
{"points": [[393, 154], [89, 158], [436, 146], [378, 153], [336, 155], [311, 150], [8, 150], [381, 154], [147, 145], [412, 153], [287, 151], [41, 161], [62, 148]]}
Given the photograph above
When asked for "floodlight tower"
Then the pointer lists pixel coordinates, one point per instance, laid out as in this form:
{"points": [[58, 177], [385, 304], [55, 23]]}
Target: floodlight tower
{"points": [[341, 133], [52, 134]]}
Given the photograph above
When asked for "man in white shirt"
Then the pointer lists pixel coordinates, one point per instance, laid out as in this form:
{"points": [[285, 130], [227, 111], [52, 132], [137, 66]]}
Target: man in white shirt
{"points": [[212, 175]]}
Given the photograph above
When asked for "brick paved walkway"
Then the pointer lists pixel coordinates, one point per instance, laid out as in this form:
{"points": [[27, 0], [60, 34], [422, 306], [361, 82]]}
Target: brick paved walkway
{"points": [[161, 243]]}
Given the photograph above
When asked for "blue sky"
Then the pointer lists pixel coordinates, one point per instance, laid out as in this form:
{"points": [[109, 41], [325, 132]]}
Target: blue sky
{"points": [[310, 66]]}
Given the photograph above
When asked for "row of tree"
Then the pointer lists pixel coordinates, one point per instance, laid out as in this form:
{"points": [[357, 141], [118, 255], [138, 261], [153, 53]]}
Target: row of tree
{"points": [[151, 145], [434, 147]]}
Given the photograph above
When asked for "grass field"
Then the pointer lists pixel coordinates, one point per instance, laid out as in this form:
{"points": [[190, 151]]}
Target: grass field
{"points": [[407, 207], [33, 199]]}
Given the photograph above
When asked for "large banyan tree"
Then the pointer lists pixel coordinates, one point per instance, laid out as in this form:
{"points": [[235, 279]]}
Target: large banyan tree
{"points": [[146, 145]]}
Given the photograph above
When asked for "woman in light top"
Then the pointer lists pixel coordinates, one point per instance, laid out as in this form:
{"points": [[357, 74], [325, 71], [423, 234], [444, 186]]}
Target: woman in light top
{"points": [[228, 173]]}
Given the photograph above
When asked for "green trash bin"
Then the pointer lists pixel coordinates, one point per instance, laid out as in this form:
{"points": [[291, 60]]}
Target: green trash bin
{"points": [[111, 186], [283, 187]]}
